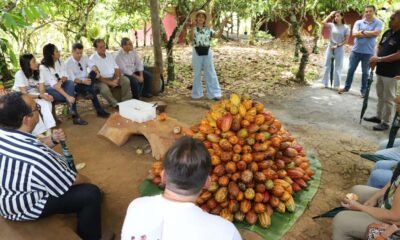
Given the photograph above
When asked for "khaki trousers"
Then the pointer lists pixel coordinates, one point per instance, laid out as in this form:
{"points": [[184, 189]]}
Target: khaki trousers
{"points": [[386, 90], [353, 224], [105, 91]]}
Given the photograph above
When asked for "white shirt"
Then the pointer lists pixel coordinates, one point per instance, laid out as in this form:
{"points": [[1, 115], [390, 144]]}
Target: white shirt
{"points": [[105, 65], [74, 70], [32, 85], [156, 218], [48, 74], [129, 63]]}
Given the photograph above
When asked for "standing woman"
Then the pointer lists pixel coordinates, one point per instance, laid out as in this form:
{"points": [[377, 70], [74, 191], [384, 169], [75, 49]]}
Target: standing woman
{"points": [[338, 37], [27, 81], [202, 57], [53, 73]]}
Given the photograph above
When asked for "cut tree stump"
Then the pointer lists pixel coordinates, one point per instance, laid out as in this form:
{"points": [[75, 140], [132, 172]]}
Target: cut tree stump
{"points": [[160, 134]]}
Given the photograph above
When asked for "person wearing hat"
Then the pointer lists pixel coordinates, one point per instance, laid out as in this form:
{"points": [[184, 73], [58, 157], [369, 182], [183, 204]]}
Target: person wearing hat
{"points": [[202, 57]]}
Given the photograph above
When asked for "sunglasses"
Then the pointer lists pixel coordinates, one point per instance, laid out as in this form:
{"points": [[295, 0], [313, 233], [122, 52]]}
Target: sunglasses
{"points": [[38, 109], [57, 76], [80, 66]]}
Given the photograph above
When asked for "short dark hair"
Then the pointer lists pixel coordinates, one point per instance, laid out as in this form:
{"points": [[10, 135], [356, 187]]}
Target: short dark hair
{"points": [[25, 64], [371, 6], [187, 165], [13, 109], [97, 41], [48, 51], [77, 46], [124, 41]]}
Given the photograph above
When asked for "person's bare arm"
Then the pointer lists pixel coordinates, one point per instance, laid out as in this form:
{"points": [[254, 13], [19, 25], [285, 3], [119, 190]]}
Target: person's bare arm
{"points": [[81, 179], [329, 17], [59, 89], [139, 76], [386, 215], [221, 29]]}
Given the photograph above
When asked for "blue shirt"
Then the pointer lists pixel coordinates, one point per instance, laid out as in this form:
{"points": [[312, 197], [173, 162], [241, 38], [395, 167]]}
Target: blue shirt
{"points": [[30, 173], [366, 45]]}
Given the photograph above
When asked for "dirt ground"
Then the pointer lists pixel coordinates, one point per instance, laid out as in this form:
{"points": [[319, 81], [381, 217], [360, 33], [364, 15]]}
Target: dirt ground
{"points": [[320, 119]]}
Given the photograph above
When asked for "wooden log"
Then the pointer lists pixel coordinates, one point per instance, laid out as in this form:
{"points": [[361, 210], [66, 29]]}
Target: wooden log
{"points": [[159, 133]]}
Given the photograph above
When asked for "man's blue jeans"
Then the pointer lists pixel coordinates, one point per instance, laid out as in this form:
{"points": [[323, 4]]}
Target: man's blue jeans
{"points": [[355, 59]]}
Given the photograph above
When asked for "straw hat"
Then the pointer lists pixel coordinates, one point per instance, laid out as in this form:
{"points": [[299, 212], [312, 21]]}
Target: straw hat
{"points": [[201, 12]]}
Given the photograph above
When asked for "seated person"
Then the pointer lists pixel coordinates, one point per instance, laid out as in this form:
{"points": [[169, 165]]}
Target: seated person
{"points": [[77, 66], [52, 72], [374, 206], [27, 82], [132, 67], [46, 185], [109, 75], [174, 214]]}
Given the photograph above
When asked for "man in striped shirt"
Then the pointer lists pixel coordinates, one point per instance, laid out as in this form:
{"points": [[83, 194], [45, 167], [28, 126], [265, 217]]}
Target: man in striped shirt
{"points": [[35, 181]]}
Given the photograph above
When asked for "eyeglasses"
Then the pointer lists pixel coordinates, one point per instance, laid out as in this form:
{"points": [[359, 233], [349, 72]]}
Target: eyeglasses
{"points": [[80, 66], [38, 109]]}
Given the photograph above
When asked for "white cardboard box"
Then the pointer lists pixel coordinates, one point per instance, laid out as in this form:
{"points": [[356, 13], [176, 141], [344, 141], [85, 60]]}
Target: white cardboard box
{"points": [[137, 111]]}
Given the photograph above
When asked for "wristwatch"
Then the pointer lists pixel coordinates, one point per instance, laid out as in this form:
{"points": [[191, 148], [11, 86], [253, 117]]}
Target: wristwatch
{"points": [[379, 59]]}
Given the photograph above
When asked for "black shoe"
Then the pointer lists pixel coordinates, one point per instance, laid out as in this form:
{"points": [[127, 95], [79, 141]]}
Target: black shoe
{"points": [[362, 95], [372, 119], [72, 112], [381, 127], [79, 121], [103, 114], [147, 95], [343, 90]]}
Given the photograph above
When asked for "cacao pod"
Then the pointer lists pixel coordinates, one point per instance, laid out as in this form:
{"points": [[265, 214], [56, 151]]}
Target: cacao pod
{"points": [[278, 190], [233, 140], [243, 133], [216, 210], [260, 188], [219, 170], [274, 201], [247, 157], [223, 181], [226, 122], [233, 206], [264, 219], [230, 167], [253, 128], [242, 186], [226, 214], [266, 197], [236, 157], [296, 187], [205, 195], [235, 99], [285, 196], [213, 138], [281, 208], [215, 160], [221, 195], [240, 196], [269, 184], [239, 216], [233, 189], [237, 149], [259, 198], [251, 217], [211, 203], [249, 194], [245, 206], [259, 208], [253, 167], [290, 204], [235, 176], [260, 177], [241, 165]]}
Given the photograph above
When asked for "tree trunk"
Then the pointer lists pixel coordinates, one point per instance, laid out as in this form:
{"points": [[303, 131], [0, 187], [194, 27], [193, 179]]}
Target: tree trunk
{"points": [[156, 31], [170, 62], [300, 75], [238, 27], [5, 73], [252, 36], [66, 39], [316, 34], [145, 34], [136, 39]]}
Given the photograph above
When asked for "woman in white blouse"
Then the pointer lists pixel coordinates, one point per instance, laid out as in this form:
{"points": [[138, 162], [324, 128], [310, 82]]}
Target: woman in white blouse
{"points": [[53, 73], [27, 81]]}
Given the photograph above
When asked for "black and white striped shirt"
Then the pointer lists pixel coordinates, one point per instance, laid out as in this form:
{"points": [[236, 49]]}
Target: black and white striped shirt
{"points": [[30, 172]]}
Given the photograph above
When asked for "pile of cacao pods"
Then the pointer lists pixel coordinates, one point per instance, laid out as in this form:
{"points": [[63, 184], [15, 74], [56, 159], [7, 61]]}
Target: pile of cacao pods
{"points": [[257, 164]]}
